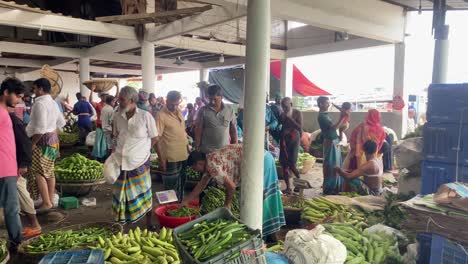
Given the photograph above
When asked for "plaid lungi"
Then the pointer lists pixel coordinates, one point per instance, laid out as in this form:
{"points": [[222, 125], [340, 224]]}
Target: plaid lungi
{"points": [[43, 162], [132, 196]]}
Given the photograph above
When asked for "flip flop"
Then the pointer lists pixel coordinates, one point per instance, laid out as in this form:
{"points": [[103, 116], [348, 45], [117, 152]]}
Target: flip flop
{"points": [[29, 232]]}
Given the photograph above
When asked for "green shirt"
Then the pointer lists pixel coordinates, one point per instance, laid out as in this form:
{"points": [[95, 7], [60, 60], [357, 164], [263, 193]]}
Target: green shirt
{"points": [[326, 124]]}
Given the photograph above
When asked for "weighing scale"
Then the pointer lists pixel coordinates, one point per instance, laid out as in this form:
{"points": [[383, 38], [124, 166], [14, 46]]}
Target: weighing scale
{"points": [[301, 184]]}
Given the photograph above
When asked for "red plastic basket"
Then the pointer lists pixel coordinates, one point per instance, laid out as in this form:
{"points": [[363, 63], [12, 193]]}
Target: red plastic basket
{"points": [[170, 221]]}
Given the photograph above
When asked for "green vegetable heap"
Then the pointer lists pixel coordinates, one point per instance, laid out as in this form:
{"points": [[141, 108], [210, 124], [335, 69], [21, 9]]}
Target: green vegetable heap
{"points": [[3, 250], [319, 209], [183, 212], [68, 138], [192, 175], [78, 168], [214, 198], [303, 157], [64, 240], [208, 239], [363, 247], [142, 247], [294, 203], [276, 248]]}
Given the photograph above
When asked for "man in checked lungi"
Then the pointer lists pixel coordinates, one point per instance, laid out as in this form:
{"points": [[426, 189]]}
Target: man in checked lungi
{"points": [[135, 133], [173, 144]]}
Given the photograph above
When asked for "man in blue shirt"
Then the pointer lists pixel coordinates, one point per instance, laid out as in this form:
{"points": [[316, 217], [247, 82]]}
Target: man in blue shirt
{"points": [[84, 112]]}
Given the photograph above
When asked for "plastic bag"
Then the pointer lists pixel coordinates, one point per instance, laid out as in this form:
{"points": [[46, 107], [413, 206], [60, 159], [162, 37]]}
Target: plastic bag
{"points": [[111, 170], [312, 246], [91, 138], [408, 152], [88, 201]]}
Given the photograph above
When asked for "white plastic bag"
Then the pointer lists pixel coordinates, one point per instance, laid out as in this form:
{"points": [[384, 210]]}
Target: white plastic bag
{"points": [[303, 246], [111, 170], [91, 138], [408, 152]]}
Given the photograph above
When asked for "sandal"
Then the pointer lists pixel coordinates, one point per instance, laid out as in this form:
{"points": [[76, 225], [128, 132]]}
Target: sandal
{"points": [[28, 232]]}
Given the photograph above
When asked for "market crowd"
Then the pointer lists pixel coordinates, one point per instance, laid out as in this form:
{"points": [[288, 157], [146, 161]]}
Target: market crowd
{"points": [[205, 136]]}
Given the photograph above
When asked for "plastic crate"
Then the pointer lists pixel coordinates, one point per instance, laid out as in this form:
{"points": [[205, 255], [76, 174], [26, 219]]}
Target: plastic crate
{"points": [[425, 241], [253, 246], [434, 174], [441, 143], [444, 251], [68, 203], [74, 257], [446, 103]]}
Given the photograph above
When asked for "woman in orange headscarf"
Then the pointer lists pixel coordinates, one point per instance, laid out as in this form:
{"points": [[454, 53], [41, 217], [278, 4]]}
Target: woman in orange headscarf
{"points": [[370, 129]]}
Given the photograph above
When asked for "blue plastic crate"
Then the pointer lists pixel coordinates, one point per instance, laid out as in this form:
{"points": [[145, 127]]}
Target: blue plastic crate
{"points": [[434, 174], [74, 257], [444, 251], [446, 103], [424, 240], [441, 142]]}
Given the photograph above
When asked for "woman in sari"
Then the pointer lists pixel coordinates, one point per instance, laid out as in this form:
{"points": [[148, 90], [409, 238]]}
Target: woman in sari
{"points": [[370, 129], [332, 183]]}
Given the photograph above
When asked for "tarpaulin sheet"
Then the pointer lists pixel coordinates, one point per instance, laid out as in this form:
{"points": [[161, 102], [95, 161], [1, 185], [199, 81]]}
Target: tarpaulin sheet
{"points": [[301, 84]]}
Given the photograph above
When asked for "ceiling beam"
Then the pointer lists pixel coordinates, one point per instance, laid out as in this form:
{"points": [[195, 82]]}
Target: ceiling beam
{"points": [[358, 43], [56, 23], [43, 50], [227, 63], [218, 15], [133, 59], [20, 63], [365, 18], [213, 17], [211, 46]]}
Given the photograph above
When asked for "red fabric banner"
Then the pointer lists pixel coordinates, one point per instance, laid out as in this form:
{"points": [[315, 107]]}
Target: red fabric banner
{"points": [[301, 84]]}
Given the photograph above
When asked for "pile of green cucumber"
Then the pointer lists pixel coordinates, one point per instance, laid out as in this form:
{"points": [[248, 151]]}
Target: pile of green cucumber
{"points": [[67, 239], [319, 209], [208, 239], [214, 198], [363, 247], [140, 247]]}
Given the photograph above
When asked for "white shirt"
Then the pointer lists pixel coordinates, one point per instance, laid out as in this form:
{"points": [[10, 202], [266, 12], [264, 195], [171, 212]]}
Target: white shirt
{"points": [[133, 138], [107, 113], [45, 116]]}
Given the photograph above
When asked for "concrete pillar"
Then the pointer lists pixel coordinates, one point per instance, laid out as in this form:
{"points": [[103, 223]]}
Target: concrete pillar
{"points": [[441, 54], [256, 80], [399, 86], [286, 82], [204, 74], [148, 66], [84, 75]]}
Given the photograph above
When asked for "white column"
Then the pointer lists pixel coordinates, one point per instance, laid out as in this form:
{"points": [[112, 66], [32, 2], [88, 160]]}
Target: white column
{"points": [[84, 75], [148, 66], [441, 54], [399, 85], [286, 82], [256, 80], [204, 75]]}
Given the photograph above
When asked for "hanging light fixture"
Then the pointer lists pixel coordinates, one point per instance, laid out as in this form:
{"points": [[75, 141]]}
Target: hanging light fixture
{"points": [[420, 7], [39, 33], [221, 58], [178, 61]]}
